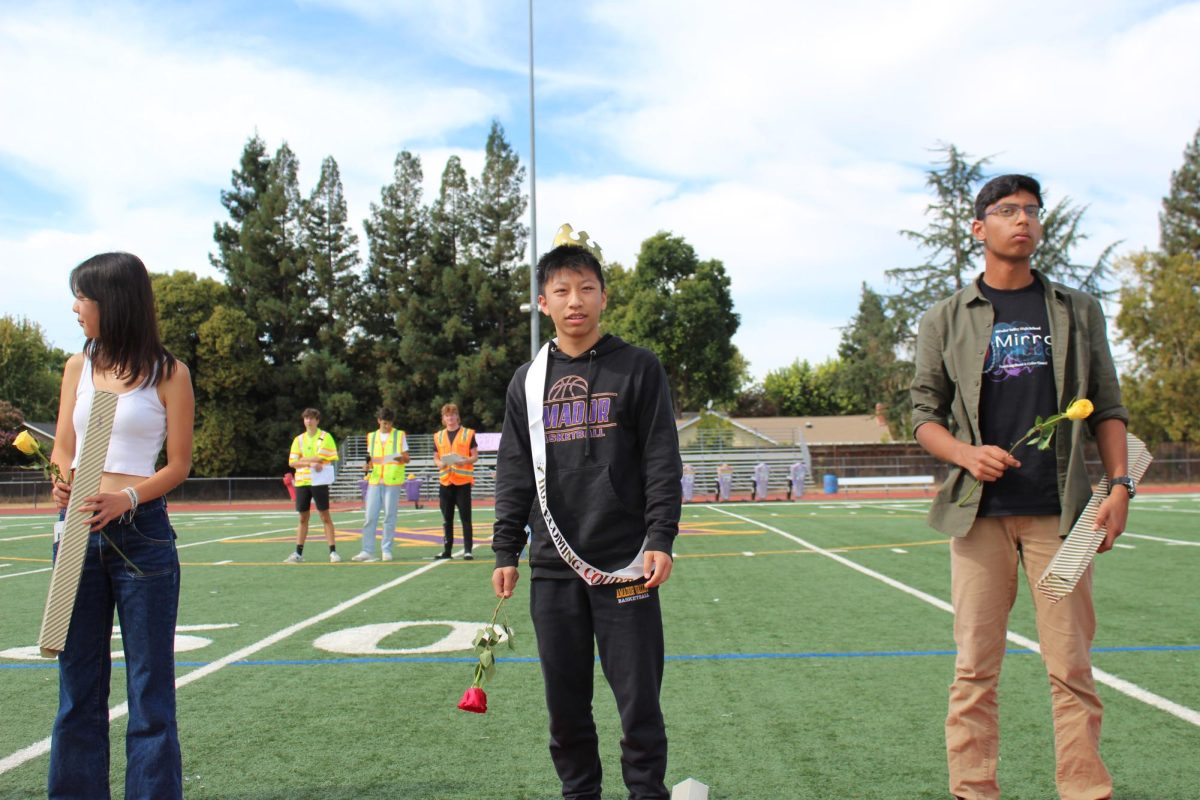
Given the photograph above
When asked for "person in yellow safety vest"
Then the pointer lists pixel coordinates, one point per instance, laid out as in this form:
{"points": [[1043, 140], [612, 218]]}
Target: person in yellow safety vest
{"points": [[388, 452], [455, 454], [312, 455]]}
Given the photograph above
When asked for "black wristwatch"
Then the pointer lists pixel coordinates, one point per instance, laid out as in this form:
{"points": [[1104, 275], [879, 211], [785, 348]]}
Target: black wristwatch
{"points": [[1125, 481]]}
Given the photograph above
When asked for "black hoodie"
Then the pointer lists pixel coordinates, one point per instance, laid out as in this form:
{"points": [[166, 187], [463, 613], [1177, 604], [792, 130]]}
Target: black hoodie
{"points": [[612, 461]]}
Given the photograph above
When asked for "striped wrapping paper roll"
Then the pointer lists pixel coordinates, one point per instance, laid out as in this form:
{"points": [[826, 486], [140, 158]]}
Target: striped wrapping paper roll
{"points": [[72, 547], [1077, 552]]}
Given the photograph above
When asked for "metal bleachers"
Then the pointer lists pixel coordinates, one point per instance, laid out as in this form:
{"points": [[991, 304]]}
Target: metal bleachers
{"points": [[354, 455]]}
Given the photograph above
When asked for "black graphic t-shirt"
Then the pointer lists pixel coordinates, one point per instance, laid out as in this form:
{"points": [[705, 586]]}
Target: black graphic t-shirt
{"points": [[1018, 386]]}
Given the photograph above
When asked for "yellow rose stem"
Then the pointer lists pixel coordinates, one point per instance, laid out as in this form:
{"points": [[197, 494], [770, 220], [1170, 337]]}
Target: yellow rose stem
{"points": [[51, 471], [1038, 429]]}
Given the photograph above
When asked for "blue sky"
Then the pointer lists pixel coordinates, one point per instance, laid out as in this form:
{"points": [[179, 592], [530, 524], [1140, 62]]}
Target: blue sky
{"points": [[788, 140]]}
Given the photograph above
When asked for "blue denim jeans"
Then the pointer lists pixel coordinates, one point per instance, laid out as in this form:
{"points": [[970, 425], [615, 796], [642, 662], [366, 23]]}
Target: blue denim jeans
{"points": [[147, 606], [387, 499]]}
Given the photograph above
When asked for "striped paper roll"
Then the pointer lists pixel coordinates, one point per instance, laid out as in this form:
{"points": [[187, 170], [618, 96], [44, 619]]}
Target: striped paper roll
{"points": [[72, 547], [1077, 552]]}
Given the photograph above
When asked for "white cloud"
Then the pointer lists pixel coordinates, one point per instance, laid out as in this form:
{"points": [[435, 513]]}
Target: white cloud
{"points": [[789, 141], [140, 132]]}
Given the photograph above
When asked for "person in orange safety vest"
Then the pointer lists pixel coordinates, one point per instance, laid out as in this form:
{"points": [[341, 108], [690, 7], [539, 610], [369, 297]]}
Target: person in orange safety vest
{"points": [[455, 454]]}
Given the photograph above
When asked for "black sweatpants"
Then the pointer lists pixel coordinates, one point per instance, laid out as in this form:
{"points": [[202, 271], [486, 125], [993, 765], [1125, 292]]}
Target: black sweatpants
{"points": [[450, 496], [570, 617]]}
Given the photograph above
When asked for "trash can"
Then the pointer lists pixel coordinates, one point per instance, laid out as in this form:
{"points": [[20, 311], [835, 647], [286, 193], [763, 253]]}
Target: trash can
{"points": [[830, 483], [412, 491]]}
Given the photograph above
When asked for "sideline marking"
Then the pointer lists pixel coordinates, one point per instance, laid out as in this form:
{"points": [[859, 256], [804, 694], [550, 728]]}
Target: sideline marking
{"points": [[400, 659], [36, 749], [1123, 686]]}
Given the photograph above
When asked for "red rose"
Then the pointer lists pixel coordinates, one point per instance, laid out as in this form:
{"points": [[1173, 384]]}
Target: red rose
{"points": [[474, 700]]}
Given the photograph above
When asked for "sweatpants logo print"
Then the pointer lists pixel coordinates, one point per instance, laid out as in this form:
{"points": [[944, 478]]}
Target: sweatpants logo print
{"points": [[628, 594], [1017, 348], [569, 414]]}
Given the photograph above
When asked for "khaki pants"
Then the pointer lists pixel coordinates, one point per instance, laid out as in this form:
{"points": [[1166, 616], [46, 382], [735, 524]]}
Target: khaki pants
{"points": [[983, 567]]}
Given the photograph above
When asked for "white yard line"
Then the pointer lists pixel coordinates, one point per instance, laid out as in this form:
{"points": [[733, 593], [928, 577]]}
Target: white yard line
{"points": [[37, 749], [177, 547], [239, 536], [46, 535], [1160, 539], [1112, 681], [27, 572]]}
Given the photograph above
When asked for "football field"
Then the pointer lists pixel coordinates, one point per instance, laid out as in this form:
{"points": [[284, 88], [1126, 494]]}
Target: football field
{"points": [[809, 652]]}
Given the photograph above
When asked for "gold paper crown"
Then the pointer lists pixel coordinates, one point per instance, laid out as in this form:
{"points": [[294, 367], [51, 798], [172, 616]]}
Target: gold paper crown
{"points": [[567, 235]]}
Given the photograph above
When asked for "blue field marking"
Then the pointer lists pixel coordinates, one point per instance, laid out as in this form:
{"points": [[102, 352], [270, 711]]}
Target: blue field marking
{"points": [[327, 662]]}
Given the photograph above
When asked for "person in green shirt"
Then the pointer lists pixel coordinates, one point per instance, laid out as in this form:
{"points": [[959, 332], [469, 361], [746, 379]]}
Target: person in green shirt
{"points": [[1006, 348]]}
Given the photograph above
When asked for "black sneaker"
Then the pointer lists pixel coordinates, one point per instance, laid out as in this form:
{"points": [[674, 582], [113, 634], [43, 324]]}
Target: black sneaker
{"points": [[441, 555], [468, 557]]}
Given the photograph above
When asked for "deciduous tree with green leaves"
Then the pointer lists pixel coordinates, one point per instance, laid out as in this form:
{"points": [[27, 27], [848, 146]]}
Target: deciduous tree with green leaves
{"points": [[30, 368], [803, 390], [682, 309], [1159, 310], [183, 302], [229, 437]]}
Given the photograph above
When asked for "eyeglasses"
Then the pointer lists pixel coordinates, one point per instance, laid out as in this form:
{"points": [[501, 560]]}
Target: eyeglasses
{"points": [[1010, 211]]}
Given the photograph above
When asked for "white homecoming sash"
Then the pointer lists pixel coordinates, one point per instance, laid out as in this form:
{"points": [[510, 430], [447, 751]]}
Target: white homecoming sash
{"points": [[535, 387]]}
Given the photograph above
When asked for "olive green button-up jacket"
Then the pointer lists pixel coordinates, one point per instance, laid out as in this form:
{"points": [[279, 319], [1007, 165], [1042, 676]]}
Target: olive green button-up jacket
{"points": [[952, 343]]}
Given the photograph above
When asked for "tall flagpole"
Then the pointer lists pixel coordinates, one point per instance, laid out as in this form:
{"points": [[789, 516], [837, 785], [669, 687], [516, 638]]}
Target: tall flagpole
{"points": [[534, 333]]}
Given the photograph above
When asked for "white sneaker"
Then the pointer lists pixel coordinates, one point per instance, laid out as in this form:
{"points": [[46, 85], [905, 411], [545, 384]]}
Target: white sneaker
{"points": [[294, 558], [387, 556], [335, 557], [364, 557]]}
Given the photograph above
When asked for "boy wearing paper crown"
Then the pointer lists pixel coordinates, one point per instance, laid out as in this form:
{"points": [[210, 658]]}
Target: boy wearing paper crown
{"points": [[589, 458], [1008, 349]]}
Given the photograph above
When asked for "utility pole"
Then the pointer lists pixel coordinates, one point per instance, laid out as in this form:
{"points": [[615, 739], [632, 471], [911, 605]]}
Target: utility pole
{"points": [[535, 338]]}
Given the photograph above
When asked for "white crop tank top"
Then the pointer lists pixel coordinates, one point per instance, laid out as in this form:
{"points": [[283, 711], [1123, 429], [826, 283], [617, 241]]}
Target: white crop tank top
{"points": [[139, 428]]}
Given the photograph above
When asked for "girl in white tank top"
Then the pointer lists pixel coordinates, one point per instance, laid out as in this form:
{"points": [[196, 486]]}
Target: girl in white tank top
{"points": [[131, 565]]}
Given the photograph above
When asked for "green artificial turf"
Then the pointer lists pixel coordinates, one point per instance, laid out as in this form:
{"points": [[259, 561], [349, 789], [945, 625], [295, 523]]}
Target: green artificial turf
{"points": [[790, 675]]}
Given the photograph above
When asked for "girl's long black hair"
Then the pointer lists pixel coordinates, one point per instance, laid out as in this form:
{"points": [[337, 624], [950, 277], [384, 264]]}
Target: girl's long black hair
{"points": [[128, 343]]}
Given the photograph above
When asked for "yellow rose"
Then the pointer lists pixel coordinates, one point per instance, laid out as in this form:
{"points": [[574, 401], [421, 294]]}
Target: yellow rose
{"points": [[1079, 409], [26, 443]]}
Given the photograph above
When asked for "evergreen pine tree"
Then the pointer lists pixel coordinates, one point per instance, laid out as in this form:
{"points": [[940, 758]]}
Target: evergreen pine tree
{"points": [[397, 234], [953, 254], [493, 285], [1179, 221], [397, 238], [261, 252], [331, 248], [433, 323], [871, 372]]}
